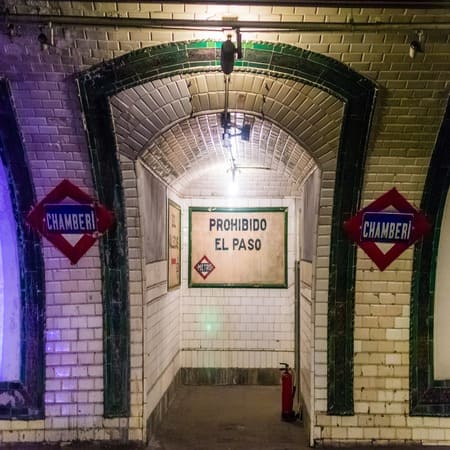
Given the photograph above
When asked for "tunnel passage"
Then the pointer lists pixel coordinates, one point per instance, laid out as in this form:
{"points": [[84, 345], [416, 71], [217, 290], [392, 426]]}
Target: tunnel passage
{"points": [[339, 197]]}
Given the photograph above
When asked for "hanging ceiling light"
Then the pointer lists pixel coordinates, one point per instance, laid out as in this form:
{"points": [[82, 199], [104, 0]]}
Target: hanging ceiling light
{"points": [[228, 51]]}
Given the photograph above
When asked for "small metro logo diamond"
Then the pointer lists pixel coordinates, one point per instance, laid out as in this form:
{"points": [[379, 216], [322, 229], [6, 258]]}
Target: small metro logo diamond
{"points": [[204, 267]]}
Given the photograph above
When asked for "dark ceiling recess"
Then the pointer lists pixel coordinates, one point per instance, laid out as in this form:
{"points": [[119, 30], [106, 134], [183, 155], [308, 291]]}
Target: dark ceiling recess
{"points": [[335, 3]]}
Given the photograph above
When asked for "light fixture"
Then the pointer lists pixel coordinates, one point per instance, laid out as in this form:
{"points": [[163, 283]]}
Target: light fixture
{"points": [[231, 130], [228, 51], [416, 45], [45, 41], [11, 30], [247, 127], [242, 130]]}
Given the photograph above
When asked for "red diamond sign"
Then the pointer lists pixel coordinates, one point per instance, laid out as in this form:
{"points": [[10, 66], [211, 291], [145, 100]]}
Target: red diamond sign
{"points": [[387, 227], [204, 267], [70, 219]]}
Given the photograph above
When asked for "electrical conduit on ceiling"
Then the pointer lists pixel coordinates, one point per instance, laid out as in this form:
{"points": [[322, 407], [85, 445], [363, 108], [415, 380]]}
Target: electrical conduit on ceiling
{"points": [[218, 25]]}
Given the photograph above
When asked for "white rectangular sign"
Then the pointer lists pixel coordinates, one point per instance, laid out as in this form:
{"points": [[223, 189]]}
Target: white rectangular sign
{"points": [[239, 247]]}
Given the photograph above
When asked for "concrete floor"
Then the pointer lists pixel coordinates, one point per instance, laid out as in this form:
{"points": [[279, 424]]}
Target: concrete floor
{"points": [[218, 418], [235, 418], [228, 418]]}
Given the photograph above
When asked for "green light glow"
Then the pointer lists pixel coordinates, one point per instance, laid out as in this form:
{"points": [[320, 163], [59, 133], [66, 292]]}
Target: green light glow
{"points": [[210, 320]]}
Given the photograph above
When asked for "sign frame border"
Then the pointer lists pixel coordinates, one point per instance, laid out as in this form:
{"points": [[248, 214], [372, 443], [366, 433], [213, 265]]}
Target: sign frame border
{"points": [[171, 203], [283, 209]]}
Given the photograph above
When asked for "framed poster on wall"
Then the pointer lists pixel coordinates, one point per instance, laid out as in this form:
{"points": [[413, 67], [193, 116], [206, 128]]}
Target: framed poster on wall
{"points": [[155, 217], [174, 245], [238, 247]]}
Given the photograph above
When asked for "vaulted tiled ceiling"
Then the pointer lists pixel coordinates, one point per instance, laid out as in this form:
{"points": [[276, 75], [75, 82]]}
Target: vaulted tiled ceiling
{"points": [[174, 126]]}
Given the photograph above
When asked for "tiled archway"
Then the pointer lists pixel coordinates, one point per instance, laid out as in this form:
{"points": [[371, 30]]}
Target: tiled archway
{"points": [[429, 397], [98, 84], [174, 125]]}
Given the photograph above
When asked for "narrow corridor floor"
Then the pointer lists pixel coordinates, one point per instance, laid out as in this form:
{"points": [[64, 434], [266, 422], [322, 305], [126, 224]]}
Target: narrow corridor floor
{"points": [[228, 418], [237, 418]]}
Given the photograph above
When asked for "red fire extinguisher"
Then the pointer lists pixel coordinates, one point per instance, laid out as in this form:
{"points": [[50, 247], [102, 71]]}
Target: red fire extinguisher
{"points": [[287, 394]]}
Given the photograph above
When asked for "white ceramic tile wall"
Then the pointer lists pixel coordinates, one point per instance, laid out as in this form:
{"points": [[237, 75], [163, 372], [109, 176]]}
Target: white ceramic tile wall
{"points": [[161, 312], [237, 327], [412, 97], [306, 335]]}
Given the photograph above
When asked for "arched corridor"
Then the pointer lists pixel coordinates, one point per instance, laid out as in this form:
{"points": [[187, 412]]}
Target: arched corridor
{"points": [[314, 116], [228, 253]]}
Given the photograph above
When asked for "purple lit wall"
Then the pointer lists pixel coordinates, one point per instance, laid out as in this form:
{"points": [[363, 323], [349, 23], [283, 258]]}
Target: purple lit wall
{"points": [[9, 287]]}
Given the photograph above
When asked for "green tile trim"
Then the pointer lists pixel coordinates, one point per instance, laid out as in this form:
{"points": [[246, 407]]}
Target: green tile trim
{"points": [[279, 60], [429, 397], [31, 385], [113, 253]]}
